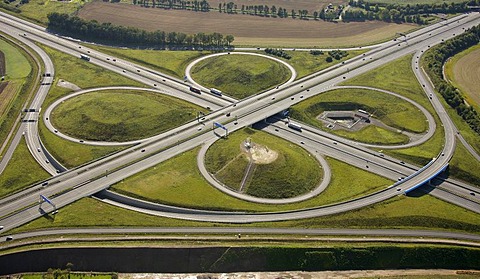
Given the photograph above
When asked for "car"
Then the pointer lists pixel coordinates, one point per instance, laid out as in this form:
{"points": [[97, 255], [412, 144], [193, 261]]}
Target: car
{"points": [[399, 189], [138, 71], [143, 150], [56, 131], [123, 71], [228, 114], [108, 58], [199, 128], [276, 130], [45, 183], [302, 142], [39, 150], [114, 60], [1, 227], [301, 96], [334, 142], [402, 162], [472, 193], [81, 141], [9, 238], [47, 161], [292, 98]]}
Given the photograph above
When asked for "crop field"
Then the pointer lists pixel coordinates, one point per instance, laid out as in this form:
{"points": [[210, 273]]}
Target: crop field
{"points": [[121, 115], [248, 30], [464, 71], [240, 76]]}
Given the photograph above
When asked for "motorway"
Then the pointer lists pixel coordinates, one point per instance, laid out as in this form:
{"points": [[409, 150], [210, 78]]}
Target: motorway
{"points": [[91, 178]]}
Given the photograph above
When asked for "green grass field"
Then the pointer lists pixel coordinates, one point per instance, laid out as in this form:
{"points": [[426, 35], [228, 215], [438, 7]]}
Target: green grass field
{"points": [[72, 154], [412, 2], [424, 212], [399, 76], [240, 76], [37, 10], [121, 115], [17, 64], [305, 63], [21, 71], [391, 110], [82, 73], [21, 171], [293, 173], [178, 182], [169, 62]]}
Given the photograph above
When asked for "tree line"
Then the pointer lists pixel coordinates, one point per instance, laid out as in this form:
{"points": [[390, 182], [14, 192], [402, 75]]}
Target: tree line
{"points": [[362, 10], [402, 13], [434, 60], [115, 34]]}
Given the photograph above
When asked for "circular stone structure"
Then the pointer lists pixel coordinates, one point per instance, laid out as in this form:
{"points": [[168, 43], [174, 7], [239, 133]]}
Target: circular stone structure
{"points": [[144, 119], [195, 84], [280, 175]]}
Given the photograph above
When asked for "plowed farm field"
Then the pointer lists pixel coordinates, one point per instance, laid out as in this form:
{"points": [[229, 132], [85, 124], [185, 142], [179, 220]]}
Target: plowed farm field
{"points": [[248, 30]]}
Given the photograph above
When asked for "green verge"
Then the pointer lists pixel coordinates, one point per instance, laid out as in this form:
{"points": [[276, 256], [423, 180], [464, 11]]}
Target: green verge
{"points": [[464, 166], [21, 73], [121, 115], [294, 172], [73, 154], [178, 182], [305, 63], [389, 109], [85, 75], [170, 62], [238, 75], [21, 171], [424, 212], [82, 73], [399, 75]]}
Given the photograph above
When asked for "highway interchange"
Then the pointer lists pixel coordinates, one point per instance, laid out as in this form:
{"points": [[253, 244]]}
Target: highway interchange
{"points": [[71, 185]]}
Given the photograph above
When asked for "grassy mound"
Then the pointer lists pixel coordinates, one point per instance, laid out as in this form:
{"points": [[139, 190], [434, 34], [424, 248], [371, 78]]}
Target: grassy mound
{"points": [[240, 76], [121, 115], [389, 109], [293, 173]]}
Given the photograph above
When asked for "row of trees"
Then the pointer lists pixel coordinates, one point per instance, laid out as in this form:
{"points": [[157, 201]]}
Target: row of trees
{"points": [[436, 57], [400, 13], [194, 5], [278, 52], [109, 33]]}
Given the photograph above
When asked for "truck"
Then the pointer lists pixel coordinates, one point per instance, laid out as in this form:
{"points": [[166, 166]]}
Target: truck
{"points": [[195, 90], [215, 91], [84, 57], [295, 126]]}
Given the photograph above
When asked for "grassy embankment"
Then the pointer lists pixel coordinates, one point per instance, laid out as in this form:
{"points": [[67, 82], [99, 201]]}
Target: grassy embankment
{"points": [[20, 74], [399, 75], [121, 115], [85, 75], [169, 62], [294, 172], [178, 182], [175, 62], [240, 76], [21, 171], [389, 109]]}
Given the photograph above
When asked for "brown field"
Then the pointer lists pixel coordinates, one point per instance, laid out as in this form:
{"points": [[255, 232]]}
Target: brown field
{"points": [[466, 73], [248, 30]]}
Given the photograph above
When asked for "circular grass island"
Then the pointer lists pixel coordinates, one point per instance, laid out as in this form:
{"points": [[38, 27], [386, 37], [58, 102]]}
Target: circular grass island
{"points": [[121, 115], [262, 165], [238, 75], [392, 120]]}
